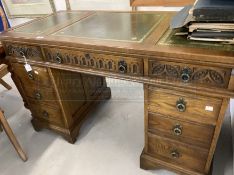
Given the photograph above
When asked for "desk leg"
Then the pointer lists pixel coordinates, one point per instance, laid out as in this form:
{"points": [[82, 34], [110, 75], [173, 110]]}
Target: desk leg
{"points": [[134, 8]]}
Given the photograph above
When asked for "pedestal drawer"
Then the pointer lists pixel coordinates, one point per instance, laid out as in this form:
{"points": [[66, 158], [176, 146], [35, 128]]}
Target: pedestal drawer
{"points": [[48, 112], [183, 105], [175, 152], [38, 75], [186, 132], [40, 93]]}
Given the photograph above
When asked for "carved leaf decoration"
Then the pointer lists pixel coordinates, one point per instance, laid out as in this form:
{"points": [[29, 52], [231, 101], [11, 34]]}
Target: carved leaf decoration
{"points": [[200, 74], [29, 51], [216, 77], [208, 80], [10, 49], [32, 52], [158, 69], [173, 71]]}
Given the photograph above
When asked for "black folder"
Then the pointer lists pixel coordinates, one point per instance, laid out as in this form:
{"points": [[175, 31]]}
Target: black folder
{"points": [[214, 10]]}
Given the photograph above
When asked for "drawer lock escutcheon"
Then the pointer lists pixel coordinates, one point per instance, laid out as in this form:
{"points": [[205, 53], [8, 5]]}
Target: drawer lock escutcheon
{"points": [[30, 76], [175, 154], [87, 56], [181, 105], [38, 96], [22, 53], [58, 59], [45, 114]]}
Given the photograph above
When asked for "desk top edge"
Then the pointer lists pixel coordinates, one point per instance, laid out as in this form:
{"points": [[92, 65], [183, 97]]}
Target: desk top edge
{"points": [[147, 47]]}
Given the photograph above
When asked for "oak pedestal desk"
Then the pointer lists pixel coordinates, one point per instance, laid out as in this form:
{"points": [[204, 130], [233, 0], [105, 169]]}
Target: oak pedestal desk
{"points": [[187, 85]]}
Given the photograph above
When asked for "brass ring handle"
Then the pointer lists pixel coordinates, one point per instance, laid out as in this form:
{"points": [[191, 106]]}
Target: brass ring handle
{"points": [[122, 67], [186, 74], [177, 130], [175, 154], [38, 96], [181, 105], [30, 76], [45, 114], [58, 59]]}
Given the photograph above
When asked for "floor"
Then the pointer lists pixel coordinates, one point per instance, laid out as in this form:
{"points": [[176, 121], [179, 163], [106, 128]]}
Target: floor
{"points": [[110, 142]]}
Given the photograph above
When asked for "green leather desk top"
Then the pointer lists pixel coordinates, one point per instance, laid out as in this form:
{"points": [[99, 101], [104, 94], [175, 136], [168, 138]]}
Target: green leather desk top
{"points": [[44, 24], [122, 26], [113, 26], [170, 39]]}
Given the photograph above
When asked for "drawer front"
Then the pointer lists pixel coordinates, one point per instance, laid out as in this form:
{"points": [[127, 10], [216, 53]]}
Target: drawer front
{"points": [[38, 76], [184, 106], [112, 63], [190, 133], [46, 112], [186, 73], [177, 153], [20, 50], [41, 94]]}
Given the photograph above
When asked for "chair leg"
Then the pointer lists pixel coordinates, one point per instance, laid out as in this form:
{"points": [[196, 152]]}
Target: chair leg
{"points": [[134, 8], [7, 86], [12, 137], [1, 128]]}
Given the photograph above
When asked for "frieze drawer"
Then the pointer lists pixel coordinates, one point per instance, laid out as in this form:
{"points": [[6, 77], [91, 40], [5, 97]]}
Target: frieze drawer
{"points": [[186, 73], [186, 132], [112, 63], [175, 152], [22, 50], [184, 106]]}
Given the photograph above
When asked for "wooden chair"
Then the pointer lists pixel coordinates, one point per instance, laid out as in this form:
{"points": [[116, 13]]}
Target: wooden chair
{"points": [[3, 68], [12, 137], [3, 72], [166, 3]]}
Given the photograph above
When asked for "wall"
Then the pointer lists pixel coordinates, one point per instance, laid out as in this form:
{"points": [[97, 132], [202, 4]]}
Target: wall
{"points": [[95, 4], [122, 5]]}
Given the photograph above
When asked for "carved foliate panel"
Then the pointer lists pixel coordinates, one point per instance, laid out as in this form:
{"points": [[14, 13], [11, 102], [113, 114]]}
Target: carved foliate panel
{"points": [[18, 50], [112, 63], [207, 76]]}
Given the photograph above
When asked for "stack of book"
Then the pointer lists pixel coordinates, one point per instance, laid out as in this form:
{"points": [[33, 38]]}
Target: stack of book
{"points": [[207, 20]]}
